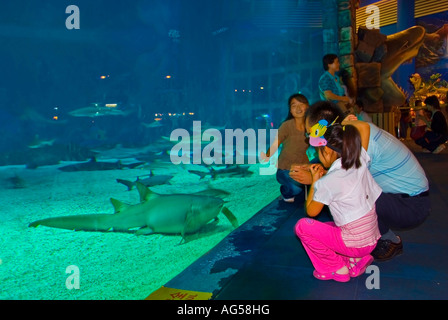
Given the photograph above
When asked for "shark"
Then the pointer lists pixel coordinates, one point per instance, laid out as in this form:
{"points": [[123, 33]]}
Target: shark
{"points": [[150, 181], [97, 110], [94, 165], [228, 171], [401, 47], [156, 213], [154, 124], [39, 143]]}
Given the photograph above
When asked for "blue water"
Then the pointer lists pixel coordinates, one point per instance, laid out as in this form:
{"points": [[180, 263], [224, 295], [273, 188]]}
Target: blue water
{"points": [[110, 81]]}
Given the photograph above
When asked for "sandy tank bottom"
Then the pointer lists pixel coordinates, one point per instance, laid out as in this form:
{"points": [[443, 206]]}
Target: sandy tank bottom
{"points": [[34, 261]]}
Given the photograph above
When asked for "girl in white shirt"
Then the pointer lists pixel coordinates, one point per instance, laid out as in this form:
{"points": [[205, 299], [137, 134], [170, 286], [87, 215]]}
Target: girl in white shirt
{"points": [[341, 249]]}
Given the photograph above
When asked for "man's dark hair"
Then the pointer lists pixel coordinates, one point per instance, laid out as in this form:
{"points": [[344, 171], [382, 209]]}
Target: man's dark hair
{"points": [[326, 110], [328, 59], [433, 101]]}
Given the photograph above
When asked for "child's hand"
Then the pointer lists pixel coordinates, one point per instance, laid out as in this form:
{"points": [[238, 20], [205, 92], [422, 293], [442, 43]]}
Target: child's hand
{"points": [[350, 117], [317, 171], [301, 173]]}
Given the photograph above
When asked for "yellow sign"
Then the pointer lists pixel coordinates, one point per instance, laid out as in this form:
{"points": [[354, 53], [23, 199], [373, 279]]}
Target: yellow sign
{"points": [[165, 293]]}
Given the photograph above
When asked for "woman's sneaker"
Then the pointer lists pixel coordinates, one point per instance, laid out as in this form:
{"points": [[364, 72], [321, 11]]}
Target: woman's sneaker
{"points": [[289, 200]]}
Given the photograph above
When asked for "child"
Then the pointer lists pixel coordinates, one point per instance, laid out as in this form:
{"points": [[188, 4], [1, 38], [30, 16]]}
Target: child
{"points": [[291, 135], [341, 249]]}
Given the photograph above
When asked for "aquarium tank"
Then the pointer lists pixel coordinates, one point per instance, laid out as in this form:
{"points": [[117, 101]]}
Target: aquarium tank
{"points": [[131, 133]]}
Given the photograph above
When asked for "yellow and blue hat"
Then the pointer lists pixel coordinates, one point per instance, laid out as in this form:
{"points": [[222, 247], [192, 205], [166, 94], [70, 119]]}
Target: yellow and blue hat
{"points": [[318, 131]]}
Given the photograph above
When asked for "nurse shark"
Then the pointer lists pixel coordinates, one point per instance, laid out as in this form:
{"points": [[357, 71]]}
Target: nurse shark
{"points": [[168, 214]]}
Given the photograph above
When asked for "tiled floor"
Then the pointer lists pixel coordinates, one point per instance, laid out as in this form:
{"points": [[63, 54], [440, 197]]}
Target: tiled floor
{"points": [[263, 259]]}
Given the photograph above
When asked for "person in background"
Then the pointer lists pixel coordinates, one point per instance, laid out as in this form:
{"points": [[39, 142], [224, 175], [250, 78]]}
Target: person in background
{"points": [[291, 135], [404, 202], [330, 85], [360, 113], [419, 120], [341, 249], [436, 133], [405, 121]]}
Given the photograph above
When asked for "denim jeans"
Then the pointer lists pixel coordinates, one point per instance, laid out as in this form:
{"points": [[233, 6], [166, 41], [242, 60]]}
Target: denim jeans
{"points": [[289, 187]]}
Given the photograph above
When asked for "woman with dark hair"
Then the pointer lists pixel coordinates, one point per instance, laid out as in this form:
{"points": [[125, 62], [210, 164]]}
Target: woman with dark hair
{"points": [[291, 135], [435, 137]]}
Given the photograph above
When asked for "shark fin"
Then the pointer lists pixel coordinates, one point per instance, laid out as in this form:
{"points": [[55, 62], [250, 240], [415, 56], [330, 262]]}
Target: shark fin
{"points": [[118, 205], [189, 223], [144, 231], [229, 215], [127, 183], [213, 173], [144, 192]]}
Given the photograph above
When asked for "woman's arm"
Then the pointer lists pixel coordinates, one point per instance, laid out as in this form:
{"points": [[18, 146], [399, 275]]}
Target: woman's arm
{"points": [[329, 95], [272, 149]]}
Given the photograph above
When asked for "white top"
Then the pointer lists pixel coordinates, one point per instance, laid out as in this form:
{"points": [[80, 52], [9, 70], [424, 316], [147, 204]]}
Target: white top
{"points": [[350, 194]]}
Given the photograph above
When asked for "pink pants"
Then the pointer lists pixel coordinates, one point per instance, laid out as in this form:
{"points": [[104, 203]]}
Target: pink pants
{"points": [[324, 245]]}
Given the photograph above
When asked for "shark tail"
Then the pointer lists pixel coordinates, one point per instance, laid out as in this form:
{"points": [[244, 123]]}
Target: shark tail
{"points": [[127, 183], [201, 174], [87, 222], [134, 165]]}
